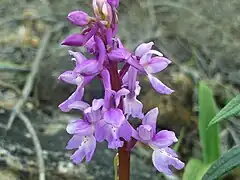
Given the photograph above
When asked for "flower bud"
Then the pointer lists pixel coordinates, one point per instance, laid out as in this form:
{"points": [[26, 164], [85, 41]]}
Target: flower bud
{"points": [[103, 10], [78, 18], [114, 3]]}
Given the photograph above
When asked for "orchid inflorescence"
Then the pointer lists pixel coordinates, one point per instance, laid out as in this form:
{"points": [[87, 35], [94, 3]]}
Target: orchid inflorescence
{"points": [[117, 68]]}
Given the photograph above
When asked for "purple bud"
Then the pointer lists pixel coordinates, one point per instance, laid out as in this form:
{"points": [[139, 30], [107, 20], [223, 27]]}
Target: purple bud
{"points": [[78, 18], [74, 40], [114, 3], [79, 39]]}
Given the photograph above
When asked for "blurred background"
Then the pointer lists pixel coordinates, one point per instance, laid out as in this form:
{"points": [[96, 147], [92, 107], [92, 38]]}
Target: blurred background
{"points": [[201, 37]]}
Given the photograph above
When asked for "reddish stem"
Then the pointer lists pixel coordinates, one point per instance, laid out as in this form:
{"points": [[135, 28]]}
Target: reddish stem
{"points": [[124, 163], [124, 153], [124, 70]]}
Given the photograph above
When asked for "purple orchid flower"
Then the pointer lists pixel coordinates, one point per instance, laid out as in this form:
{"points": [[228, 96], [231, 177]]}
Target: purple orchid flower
{"points": [[107, 118], [76, 96], [85, 146], [84, 71], [162, 156], [132, 106], [145, 63], [153, 65], [83, 132], [113, 127]]}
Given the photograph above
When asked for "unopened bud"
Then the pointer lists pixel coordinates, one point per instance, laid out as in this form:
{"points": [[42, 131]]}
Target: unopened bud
{"points": [[79, 18]]}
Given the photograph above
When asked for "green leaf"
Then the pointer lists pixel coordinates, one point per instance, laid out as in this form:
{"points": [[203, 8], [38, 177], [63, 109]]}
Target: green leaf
{"points": [[224, 164], [194, 169], [231, 109], [209, 137]]}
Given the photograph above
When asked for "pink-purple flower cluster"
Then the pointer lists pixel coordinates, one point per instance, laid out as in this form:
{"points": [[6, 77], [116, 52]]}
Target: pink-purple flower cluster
{"points": [[108, 118]]}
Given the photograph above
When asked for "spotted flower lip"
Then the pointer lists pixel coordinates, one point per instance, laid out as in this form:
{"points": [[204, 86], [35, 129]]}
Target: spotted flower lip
{"points": [[108, 118], [86, 146], [112, 127], [164, 158]]}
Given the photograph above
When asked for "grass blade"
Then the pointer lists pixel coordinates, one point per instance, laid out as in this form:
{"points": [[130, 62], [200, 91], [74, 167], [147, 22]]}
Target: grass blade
{"points": [[209, 137]]}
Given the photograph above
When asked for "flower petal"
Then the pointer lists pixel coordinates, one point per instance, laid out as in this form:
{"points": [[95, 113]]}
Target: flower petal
{"points": [[79, 57], [106, 79], [163, 139], [108, 95], [138, 88], [132, 78], [159, 86], [162, 160], [134, 62], [89, 147], [115, 144], [145, 132], [68, 77], [156, 64], [91, 46], [119, 54], [101, 49], [114, 117], [119, 94], [81, 105], [119, 43], [87, 79], [74, 142], [151, 118], [143, 48], [100, 131], [76, 96], [133, 107], [148, 55], [155, 52], [78, 156], [93, 116], [89, 67], [86, 149], [97, 104], [80, 127], [125, 131]]}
